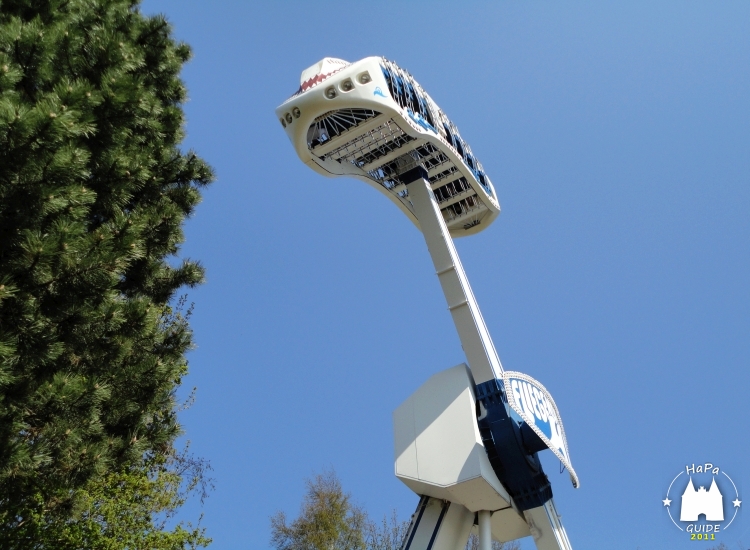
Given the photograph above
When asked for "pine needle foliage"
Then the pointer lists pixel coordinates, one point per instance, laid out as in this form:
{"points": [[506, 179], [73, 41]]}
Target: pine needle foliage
{"points": [[93, 193]]}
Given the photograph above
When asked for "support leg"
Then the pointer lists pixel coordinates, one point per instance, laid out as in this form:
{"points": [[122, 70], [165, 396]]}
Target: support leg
{"points": [[438, 525], [546, 528], [485, 530]]}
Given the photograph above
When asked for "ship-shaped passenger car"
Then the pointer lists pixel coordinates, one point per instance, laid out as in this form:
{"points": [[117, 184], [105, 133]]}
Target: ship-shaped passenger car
{"points": [[373, 121]]}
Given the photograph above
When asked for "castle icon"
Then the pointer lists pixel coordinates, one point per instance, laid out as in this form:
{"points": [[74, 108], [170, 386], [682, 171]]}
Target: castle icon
{"points": [[695, 503]]}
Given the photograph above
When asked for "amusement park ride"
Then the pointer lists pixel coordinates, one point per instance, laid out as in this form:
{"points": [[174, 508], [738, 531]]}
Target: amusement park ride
{"points": [[467, 441]]}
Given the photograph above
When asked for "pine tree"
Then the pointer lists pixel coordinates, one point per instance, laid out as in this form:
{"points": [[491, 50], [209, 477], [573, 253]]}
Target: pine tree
{"points": [[93, 194]]}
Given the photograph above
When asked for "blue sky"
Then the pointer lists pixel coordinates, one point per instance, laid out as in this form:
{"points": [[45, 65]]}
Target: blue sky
{"points": [[617, 136]]}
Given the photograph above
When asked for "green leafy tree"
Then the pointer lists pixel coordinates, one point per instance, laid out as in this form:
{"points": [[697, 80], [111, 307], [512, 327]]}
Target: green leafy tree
{"points": [[93, 194], [124, 510], [328, 520]]}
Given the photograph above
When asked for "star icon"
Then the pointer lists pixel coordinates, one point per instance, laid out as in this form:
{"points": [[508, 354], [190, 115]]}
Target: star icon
{"points": [[667, 502], [737, 502]]}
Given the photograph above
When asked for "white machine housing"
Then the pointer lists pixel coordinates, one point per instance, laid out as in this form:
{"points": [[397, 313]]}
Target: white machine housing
{"points": [[345, 121], [439, 451]]}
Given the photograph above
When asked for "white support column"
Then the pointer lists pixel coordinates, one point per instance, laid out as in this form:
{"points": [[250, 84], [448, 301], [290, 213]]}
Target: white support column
{"points": [[475, 338], [485, 529], [546, 528]]}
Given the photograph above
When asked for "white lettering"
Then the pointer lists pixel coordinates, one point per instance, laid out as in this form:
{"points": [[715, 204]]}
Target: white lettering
{"points": [[516, 391], [690, 469], [535, 402], [527, 406], [524, 396], [542, 405]]}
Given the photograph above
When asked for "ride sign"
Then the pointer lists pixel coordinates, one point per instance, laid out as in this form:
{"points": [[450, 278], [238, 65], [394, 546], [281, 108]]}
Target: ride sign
{"points": [[535, 406]]}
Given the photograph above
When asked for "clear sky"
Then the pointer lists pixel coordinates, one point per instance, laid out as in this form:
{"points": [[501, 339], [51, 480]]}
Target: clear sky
{"points": [[617, 136]]}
